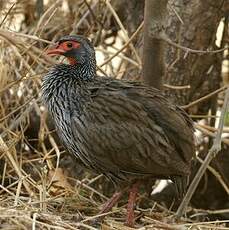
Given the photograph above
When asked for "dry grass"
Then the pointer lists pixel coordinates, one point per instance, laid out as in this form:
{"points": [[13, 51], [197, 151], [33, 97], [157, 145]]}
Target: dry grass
{"points": [[35, 191]]}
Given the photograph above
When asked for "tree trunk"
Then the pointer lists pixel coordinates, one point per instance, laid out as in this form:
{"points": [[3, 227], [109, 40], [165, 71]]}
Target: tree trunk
{"points": [[197, 31], [200, 72], [153, 46]]}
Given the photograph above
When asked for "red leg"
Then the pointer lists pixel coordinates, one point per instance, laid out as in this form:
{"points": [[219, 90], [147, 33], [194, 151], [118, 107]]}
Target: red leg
{"points": [[111, 202], [108, 206], [131, 204]]}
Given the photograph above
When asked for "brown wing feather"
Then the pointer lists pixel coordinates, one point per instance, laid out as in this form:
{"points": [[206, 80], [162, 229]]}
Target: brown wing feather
{"points": [[130, 129]]}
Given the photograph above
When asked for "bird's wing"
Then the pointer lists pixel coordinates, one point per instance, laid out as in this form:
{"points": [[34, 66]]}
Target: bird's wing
{"points": [[130, 128]]}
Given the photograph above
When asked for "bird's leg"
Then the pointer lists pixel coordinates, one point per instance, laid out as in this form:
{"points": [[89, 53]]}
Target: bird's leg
{"points": [[131, 204], [112, 201], [109, 205]]}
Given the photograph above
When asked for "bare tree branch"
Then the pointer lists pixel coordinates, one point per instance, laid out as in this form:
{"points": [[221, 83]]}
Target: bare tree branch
{"points": [[216, 147]]}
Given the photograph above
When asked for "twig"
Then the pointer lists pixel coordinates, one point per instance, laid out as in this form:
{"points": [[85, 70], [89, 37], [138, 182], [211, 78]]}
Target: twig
{"points": [[16, 110], [4, 149], [178, 16], [91, 189], [90, 8], [121, 56], [8, 12], [216, 147], [18, 191], [207, 222], [124, 46], [187, 49], [85, 226], [219, 211], [7, 190], [44, 19], [99, 215], [157, 224], [213, 129], [203, 116], [33, 37], [53, 143], [123, 30], [101, 70], [177, 86], [15, 123], [209, 133], [75, 27], [204, 98], [216, 174]]}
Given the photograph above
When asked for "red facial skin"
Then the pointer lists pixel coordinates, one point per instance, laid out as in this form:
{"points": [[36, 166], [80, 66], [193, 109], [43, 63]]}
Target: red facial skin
{"points": [[63, 47]]}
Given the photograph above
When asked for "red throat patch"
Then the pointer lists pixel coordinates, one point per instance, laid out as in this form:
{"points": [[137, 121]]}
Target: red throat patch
{"points": [[71, 60]]}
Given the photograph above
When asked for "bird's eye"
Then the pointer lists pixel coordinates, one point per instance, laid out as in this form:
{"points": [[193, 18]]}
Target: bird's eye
{"points": [[69, 45]]}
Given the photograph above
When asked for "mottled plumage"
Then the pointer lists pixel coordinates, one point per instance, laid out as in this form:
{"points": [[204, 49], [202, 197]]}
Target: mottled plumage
{"points": [[123, 129]]}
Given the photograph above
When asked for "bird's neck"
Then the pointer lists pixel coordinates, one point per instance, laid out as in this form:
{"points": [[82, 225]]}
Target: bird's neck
{"points": [[76, 71], [85, 72], [63, 78]]}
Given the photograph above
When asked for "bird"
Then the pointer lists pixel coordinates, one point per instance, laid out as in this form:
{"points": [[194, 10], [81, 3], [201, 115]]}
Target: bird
{"points": [[126, 130]]}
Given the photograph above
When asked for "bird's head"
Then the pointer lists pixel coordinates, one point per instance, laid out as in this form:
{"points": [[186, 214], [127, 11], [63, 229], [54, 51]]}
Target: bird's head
{"points": [[77, 49]]}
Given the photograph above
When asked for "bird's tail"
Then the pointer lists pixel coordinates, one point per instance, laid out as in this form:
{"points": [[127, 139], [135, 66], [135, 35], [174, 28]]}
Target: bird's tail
{"points": [[181, 184]]}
